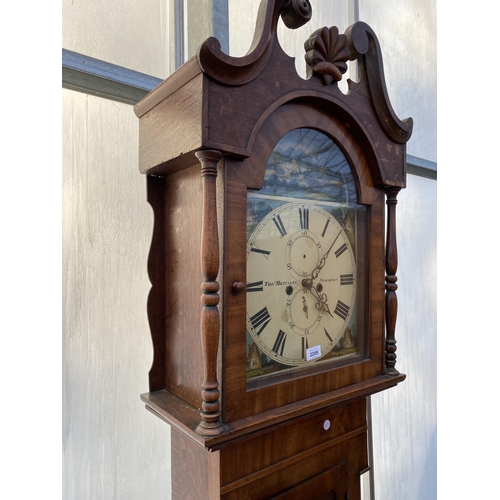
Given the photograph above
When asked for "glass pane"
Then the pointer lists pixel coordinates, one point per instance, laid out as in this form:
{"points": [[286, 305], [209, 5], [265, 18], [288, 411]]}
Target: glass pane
{"points": [[303, 229]]}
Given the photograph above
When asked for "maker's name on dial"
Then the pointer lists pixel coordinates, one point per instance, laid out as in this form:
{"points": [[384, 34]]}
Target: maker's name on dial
{"points": [[280, 283]]}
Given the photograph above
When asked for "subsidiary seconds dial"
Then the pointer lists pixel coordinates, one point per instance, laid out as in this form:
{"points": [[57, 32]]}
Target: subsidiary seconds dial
{"points": [[301, 283]]}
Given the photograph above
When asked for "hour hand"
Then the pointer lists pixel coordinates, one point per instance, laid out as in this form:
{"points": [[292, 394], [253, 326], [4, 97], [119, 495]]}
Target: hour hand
{"points": [[321, 298]]}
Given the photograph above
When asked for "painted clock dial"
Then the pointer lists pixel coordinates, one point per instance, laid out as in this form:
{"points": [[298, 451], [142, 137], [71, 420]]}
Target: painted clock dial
{"points": [[303, 258], [301, 283]]}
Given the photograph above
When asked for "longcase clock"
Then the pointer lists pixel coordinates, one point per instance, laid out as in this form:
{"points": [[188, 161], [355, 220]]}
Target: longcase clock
{"points": [[273, 261]]}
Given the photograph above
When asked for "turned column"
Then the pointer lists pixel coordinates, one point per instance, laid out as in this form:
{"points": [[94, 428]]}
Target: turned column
{"points": [[391, 266], [210, 423]]}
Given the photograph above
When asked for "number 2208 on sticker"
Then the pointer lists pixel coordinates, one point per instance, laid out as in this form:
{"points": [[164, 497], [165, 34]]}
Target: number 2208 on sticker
{"points": [[313, 352]]}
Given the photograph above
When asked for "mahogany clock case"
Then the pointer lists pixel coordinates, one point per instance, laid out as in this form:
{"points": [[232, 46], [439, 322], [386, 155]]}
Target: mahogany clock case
{"points": [[230, 114], [181, 218]]}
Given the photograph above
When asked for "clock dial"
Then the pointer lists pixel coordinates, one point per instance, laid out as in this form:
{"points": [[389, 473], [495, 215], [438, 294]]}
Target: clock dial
{"points": [[301, 283]]}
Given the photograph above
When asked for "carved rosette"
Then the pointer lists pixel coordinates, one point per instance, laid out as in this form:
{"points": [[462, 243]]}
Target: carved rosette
{"points": [[327, 54]]}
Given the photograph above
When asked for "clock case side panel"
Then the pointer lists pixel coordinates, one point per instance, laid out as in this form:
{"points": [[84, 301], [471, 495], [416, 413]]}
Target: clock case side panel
{"points": [[156, 274], [174, 307], [324, 116]]}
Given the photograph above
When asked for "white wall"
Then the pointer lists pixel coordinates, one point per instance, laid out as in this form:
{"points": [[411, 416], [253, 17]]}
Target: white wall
{"points": [[404, 418], [113, 449], [135, 35], [407, 32]]}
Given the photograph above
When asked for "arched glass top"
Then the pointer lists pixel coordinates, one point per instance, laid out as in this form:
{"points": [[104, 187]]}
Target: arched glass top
{"points": [[308, 163]]}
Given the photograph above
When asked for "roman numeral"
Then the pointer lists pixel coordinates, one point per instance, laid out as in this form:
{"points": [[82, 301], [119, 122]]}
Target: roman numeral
{"points": [[304, 218], [328, 335], [279, 344], [340, 250], [341, 310], [258, 250], [346, 279], [255, 287], [260, 318], [305, 346], [325, 228], [279, 224]]}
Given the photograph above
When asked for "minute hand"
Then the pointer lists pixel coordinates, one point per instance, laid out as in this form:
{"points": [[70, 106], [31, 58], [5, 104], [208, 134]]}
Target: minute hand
{"points": [[322, 261]]}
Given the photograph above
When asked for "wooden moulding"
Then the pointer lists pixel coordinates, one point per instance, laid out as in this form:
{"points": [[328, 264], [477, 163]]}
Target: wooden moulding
{"points": [[237, 71], [171, 130], [364, 45], [215, 101], [184, 417]]}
